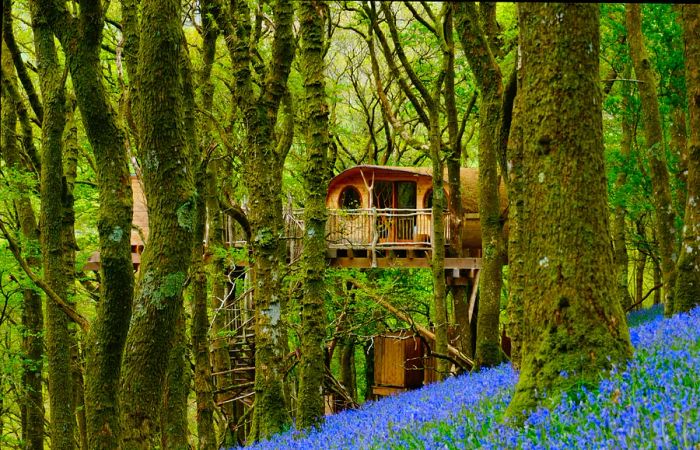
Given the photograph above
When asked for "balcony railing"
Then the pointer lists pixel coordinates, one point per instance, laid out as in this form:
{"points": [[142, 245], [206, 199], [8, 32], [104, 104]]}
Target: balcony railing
{"points": [[373, 228]]}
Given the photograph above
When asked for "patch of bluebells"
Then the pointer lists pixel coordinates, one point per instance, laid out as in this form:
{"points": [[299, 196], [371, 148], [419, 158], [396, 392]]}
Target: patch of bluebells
{"points": [[645, 315], [653, 402]]}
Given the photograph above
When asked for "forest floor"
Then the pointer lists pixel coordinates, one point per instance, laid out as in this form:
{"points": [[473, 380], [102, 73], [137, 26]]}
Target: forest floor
{"points": [[653, 402]]}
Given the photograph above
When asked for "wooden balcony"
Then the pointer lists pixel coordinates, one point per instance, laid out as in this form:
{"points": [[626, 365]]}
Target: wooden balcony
{"points": [[377, 238], [382, 228]]}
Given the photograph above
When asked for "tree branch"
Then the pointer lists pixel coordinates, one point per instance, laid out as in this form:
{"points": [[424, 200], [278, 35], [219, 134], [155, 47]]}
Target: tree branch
{"points": [[72, 314]]}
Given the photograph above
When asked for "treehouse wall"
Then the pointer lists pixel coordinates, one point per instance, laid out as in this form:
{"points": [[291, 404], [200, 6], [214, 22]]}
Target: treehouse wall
{"points": [[140, 215]]}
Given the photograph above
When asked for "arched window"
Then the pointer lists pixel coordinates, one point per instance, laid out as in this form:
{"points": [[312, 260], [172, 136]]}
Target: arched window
{"points": [[428, 199], [350, 198]]}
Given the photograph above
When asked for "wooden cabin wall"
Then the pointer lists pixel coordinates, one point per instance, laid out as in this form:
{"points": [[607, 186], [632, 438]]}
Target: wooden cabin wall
{"points": [[140, 215], [423, 185]]}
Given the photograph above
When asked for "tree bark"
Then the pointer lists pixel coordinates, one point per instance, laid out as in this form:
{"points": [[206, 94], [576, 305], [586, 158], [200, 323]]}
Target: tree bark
{"points": [[206, 434], [454, 163], [438, 243], [265, 151], [174, 431], [572, 329], [620, 256], [489, 80], [516, 219], [653, 132], [687, 285], [313, 16], [70, 173], [166, 149]]}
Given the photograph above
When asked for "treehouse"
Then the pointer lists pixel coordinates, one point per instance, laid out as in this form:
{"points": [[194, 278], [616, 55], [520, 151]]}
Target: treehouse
{"points": [[381, 216]]}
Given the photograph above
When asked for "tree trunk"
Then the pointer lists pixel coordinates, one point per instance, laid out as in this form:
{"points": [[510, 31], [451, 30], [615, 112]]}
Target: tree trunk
{"points": [[60, 341], [32, 315], [460, 294], [174, 432], [489, 80], [639, 267], [653, 132], [200, 325], [516, 219], [687, 285], [620, 256], [658, 279], [347, 363], [167, 173], [266, 149], [70, 172], [572, 329], [312, 16], [438, 244]]}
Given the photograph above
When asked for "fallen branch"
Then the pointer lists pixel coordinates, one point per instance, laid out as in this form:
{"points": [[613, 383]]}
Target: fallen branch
{"points": [[631, 307]]}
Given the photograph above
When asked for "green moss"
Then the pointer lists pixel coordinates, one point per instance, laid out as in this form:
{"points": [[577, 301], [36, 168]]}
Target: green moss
{"points": [[187, 214]]}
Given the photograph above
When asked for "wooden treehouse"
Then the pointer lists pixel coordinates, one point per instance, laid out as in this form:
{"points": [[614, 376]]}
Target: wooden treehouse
{"points": [[378, 217], [381, 216]]}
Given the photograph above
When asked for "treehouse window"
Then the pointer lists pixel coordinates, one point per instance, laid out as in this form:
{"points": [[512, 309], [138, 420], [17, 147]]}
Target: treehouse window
{"points": [[428, 199], [350, 198]]}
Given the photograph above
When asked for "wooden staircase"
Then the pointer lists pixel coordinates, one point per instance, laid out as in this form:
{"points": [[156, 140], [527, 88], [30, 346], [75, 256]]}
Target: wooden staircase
{"points": [[234, 390]]}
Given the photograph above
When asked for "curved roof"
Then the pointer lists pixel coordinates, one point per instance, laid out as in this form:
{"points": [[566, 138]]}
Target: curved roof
{"points": [[354, 171]]}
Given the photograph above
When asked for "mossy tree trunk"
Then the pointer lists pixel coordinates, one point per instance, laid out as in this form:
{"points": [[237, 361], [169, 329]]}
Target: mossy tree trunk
{"points": [[70, 173], [14, 52], [653, 132], [313, 16], [453, 161], [206, 433], [266, 147], [81, 39], [516, 218], [572, 330], [32, 317], [166, 151], [174, 433], [489, 80], [687, 286], [60, 341], [438, 240], [619, 233]]}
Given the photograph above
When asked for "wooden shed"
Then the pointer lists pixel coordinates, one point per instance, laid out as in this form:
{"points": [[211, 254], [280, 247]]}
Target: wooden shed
{"points": [[398, 363]]}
